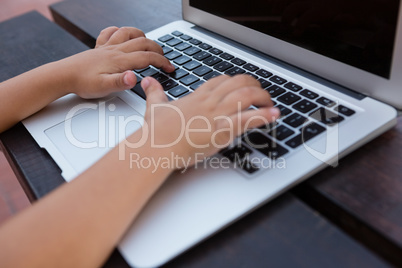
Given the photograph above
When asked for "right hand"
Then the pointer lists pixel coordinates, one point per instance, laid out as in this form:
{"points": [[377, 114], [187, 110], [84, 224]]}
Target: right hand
{"points": [[217, 112]]}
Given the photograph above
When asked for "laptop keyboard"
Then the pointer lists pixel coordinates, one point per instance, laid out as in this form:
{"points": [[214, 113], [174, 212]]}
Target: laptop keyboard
{"points": [[304, 113]]}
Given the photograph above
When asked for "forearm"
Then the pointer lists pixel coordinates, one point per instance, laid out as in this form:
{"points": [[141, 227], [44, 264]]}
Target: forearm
{"points": [[79, 224], [29, 92]]}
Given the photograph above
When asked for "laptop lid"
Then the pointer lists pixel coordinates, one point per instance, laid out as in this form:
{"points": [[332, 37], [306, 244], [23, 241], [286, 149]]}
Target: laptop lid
{"points": [[356, 43]]}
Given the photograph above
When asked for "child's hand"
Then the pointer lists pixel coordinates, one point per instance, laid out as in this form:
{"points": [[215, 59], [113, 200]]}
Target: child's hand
{"points": [[108, 68], [208, 119]]}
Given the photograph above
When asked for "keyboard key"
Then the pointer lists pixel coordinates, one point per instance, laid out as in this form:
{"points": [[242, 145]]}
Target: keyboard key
{"points": [[195, 42], [165, 38], [168, 84], [139, 78], [139, 91], [182, 60], [201, 55], [159, 43], [149, 72], [250, 67], [166, 50], [215, 51], [281, 133], [205, 46], [326, 116], [264, 83], [211, 75], [177, 91], [191, 51], [192, 65], [292, 86], [182, 46], [174, 42], [186, 37], [288, 98], [263, 73], [295, 141], [275, 90], [238, 61], [304, 106], [141, 70], [160, 77], [326, 102], [268, 127], [211, 60], [264, 144], [277, 79], [284, 110], [235, 70], [307, 133], [177, 33], [197, 85], [223, 66], [253, 75], [178, 74], [344, 110], [202, 70], [226, 56], [247, 166], [309, 94], [311, 130], [295, 120], [189, 79], [172, 55], [237, 153]]}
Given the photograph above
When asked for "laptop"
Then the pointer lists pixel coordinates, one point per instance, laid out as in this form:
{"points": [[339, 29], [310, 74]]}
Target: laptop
{"points": [[332, 70]]}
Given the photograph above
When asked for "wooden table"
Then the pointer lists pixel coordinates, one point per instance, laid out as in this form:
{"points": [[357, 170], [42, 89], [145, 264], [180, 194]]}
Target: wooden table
{"points": [[342, 217]]}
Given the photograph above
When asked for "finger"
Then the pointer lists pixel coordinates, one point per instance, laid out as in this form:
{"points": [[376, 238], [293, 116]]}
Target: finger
{"points": [[141, 44], [243, 98], [120, 81], [124, 34], [105, 35], [213, 83], [230, 85], [142, 59], [249, 119], [154, 91]]}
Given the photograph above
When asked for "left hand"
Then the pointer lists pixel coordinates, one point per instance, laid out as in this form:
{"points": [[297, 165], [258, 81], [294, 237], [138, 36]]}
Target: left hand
{"points": [[108, 68]]}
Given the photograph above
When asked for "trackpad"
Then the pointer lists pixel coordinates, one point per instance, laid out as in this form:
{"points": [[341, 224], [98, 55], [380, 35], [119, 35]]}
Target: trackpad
{"points": [[91, 130]]}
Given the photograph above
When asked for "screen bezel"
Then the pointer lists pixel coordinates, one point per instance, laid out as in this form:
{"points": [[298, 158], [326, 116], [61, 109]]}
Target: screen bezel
{"points": [[387, 90]]}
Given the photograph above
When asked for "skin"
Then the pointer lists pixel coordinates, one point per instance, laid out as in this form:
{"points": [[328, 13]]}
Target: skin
{"points": [[80, 223]]}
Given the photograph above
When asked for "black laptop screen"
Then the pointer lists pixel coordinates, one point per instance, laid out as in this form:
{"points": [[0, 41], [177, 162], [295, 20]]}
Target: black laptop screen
{"points": [[356, 32]]}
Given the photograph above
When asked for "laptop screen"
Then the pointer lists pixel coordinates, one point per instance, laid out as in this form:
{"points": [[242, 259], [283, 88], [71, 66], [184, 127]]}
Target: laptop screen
{"points": [[356, 32]]}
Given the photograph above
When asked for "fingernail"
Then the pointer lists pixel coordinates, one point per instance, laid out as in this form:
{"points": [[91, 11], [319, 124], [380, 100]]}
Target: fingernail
{"points": [[126, 79], [275, 113]]}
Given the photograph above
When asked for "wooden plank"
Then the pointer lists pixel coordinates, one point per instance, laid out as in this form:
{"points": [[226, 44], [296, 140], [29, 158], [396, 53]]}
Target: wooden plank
{"points": [[26, 42], [366, 185], [80, 18]]}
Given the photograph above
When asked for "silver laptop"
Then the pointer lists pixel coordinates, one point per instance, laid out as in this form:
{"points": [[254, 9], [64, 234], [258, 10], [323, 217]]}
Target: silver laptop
{"points": [[334, 71]]}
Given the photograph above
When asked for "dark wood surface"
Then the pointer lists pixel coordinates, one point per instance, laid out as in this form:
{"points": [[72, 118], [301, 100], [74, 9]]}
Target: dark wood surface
{"points": [[80, 18], [285, 232]]}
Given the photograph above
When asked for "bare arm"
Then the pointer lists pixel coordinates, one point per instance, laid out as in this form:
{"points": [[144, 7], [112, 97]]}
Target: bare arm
{"points": [[79, 224], [90, 74]]}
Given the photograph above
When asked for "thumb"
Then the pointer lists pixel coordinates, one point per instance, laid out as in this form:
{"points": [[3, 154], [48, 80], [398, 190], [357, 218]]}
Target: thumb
{"points": [[153, 90], [121, 81]]}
